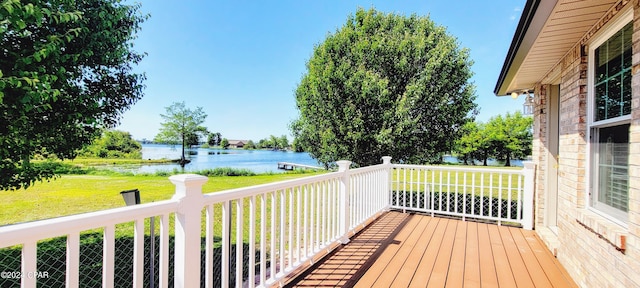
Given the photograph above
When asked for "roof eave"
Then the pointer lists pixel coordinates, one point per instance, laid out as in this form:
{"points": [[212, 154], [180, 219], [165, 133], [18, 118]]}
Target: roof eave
{"points": [[534, 16]]}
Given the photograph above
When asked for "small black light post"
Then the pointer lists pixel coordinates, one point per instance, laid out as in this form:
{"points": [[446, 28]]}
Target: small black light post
{"points": [[132, 197]]}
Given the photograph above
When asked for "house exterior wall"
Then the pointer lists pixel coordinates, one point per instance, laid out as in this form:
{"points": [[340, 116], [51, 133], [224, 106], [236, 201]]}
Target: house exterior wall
{"points": [[539, 151], [587, 243]]}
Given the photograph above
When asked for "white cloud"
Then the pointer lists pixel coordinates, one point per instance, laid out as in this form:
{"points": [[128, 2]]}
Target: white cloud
{"points": [[516, 12]]}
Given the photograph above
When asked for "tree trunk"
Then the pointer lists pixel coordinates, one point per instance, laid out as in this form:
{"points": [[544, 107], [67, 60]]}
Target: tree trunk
{"points": [[182, 159], [507, 162]]}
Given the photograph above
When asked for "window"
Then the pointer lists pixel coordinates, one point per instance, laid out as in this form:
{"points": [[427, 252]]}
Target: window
{"points": [[613, 76], [610, 98], [613, 171]]}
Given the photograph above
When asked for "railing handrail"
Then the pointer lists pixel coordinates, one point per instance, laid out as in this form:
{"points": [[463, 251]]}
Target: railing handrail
{"points": [[232, 194], [15, 234], [366, 169], [511, 170]]}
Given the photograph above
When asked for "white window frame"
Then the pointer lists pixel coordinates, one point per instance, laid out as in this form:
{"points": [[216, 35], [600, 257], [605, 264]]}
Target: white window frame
{"points": [[613, 214]]}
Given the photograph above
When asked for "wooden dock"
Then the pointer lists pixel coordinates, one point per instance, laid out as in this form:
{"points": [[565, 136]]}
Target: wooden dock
{"points": [[291, 166]]}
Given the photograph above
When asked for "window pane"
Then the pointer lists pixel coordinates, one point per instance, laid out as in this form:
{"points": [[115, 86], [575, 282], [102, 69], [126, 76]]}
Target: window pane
{"points": [[612, 64], [626, 93], [601, 63], [627, 34], [614, 97], [613, 167], [601, 101], [614, 54]]}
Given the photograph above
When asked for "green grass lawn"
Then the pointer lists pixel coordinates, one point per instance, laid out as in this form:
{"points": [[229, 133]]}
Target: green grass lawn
{"points": [[84, 161], [74, 194], [473, 183]]}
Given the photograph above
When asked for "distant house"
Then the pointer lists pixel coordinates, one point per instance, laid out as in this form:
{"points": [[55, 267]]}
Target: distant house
{"points": [[581, 62], [237, 143]]}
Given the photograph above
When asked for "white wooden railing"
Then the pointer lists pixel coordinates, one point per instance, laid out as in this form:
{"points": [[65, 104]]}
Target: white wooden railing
{"points": [[289, 223], [499, 195], [257, 236]]}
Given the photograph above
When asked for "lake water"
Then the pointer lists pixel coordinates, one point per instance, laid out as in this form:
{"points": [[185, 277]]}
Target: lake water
{"points": [[203, 158], [258, 161]]}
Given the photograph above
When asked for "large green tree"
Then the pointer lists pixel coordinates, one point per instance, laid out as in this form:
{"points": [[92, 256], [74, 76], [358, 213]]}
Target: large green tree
{"points": [[503, 137], [179, 125], [474, 144], [510, 136], [65, 74], [384, 84]]}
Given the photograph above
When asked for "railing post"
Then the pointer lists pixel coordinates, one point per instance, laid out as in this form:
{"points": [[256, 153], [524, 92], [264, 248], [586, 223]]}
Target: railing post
{"points": [[386, 160], [187, 228], [527, 197], [343, 166]]}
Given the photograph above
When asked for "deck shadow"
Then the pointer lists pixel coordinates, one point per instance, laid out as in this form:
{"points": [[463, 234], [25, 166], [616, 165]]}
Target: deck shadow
{"points": [[348, 263]]}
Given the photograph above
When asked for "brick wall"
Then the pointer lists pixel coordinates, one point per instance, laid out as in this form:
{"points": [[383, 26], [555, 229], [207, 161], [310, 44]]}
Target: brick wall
{"points": [[587, 241], [538, 151]]}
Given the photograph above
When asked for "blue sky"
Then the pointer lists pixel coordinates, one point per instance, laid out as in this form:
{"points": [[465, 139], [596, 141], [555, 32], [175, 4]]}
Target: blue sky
{"points": [[242, 60]]}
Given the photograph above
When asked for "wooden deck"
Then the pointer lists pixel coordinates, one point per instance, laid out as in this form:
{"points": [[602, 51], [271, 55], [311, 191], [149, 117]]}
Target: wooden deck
{"points": [[408, 250]]}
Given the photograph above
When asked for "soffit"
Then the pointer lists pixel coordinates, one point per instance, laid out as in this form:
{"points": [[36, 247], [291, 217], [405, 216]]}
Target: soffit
{"points": [[565, 25]]}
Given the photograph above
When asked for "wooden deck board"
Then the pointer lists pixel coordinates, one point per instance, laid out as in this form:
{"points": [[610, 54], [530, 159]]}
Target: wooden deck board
{"points": [[400, 256], [403, 250], [410, 267], [455, 274], [423, 272], [381, 263], [472, 259], [518, 268], [441, 267], [488, 277], [536, 271], [500, 259], [546, 259]]}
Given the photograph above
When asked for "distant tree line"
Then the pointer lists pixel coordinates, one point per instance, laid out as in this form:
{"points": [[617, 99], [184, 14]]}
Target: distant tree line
{"points": [[274, 143], [214, 139], [113, 144], [503, 138]]}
